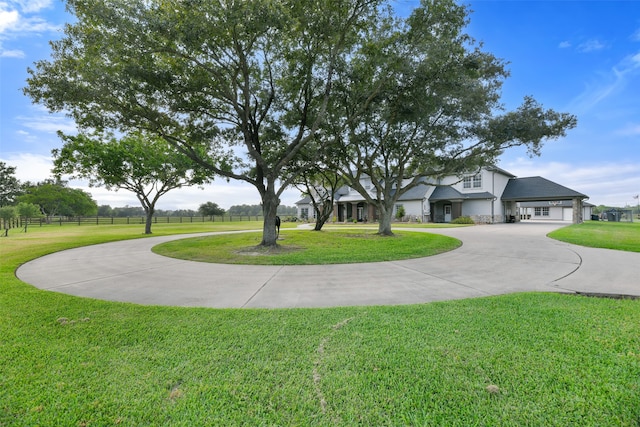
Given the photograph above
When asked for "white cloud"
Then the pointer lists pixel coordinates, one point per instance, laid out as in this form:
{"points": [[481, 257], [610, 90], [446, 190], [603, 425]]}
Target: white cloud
{"points": [[636, 35], [48, 123], [564, 45], [31, 6], [591, 46], [629, 130], [608, 183], [18, 23], [8, 18], [29, 167], [11, 53], [610, 83]]}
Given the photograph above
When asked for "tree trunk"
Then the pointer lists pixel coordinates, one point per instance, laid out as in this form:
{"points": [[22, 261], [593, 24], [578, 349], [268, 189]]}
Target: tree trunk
{"points": [[384, 226], [148, 220], [270, 204], [323, 214]]}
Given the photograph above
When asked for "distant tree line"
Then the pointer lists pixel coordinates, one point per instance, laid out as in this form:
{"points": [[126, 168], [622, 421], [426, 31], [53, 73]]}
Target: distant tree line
{"points": [[205, 209], [254, 210]]}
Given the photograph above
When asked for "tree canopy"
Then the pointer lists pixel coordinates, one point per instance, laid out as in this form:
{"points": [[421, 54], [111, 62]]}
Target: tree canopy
{"points": [[238, 86], [55, 198], [210, 209]]}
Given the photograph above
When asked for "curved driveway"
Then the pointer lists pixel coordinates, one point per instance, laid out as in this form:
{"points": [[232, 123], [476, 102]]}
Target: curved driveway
{"points": [[494, 259]]}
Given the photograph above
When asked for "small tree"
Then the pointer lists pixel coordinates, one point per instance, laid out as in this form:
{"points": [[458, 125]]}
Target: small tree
{"points": [[55, 198], [144, 164], [7, 213], [9, 185], [28, 211], [210, 209], [400, 212]]}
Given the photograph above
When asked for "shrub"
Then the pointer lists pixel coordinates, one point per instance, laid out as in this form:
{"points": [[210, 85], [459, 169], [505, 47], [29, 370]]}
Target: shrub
{"points": [[463, 220]]}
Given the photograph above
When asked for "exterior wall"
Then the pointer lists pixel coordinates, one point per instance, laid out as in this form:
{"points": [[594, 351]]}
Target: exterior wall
{"points": [[412, 208], [478, 210], [305, 206]]}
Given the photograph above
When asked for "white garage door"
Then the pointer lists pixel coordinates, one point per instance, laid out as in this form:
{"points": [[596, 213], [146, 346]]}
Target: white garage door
{"points": [[567, 214]]}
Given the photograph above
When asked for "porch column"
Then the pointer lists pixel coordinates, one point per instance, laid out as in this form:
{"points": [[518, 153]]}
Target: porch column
{"points": [[371, 212], [354, 210], [577, 210]]}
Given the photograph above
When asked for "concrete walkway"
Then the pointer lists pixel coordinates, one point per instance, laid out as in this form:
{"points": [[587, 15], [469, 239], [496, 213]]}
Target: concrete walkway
{"points": [[494, 259]]}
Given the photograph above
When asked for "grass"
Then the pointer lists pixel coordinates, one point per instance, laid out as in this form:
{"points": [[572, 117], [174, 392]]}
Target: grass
{"points": [[309, 247], [623, 236], [552, 360]]}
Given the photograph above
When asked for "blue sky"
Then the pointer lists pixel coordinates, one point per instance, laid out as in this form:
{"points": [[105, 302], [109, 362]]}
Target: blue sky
{"points": [[581, 57]]}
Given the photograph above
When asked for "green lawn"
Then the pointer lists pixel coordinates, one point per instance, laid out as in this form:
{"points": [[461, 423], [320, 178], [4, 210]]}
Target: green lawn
{"points": [[551, 359], [623, 236], [309, 247]]}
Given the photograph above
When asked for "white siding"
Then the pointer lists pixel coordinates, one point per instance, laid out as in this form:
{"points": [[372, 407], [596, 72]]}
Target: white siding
{"points": [[476, 208]]}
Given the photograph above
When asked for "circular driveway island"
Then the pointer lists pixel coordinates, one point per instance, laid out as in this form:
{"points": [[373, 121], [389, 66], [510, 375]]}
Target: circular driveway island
{"points": [[493, 259]]}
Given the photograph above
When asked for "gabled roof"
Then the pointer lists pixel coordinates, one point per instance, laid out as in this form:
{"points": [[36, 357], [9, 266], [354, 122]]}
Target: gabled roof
{"points": [[445, 192], [304, 201], [500, 170], [418, 192], [537, 188]]}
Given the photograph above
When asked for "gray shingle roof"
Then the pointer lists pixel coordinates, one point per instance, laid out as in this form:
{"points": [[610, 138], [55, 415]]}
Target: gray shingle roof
{"points": [[537, 188], [416, 193], [445, 193], [450, 193]]}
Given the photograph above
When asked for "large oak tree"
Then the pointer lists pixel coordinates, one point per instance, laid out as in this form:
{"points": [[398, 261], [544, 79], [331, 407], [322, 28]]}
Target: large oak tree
{"points": [[421, 100], [238, 86]]}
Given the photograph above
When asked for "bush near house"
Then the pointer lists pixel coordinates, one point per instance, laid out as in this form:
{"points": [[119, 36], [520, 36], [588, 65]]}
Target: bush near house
{"points": [[463, 220]]}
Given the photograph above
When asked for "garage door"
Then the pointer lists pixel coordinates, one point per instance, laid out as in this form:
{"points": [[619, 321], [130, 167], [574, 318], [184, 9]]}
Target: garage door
{"points": [[567, 214]]}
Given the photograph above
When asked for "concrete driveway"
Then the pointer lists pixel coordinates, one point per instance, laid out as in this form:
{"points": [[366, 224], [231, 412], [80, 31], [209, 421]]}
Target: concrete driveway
{"points": [[493, 259]]}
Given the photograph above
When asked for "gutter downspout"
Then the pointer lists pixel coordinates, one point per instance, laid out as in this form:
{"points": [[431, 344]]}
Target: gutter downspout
{"points": [[493, 191]]}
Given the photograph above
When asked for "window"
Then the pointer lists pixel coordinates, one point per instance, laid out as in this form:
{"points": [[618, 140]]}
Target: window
{"points": [[541, 211], [304, 213], [472, 181]]}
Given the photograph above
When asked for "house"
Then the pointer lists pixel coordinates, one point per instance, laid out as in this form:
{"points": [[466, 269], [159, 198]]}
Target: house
{"points": [[488, 196]]}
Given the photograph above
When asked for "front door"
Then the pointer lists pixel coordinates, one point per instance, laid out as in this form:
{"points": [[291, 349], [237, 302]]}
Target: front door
{"points": [[447, 213]]}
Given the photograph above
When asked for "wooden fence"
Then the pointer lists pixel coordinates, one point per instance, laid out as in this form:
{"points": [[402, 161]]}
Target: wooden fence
{"points": [[103, 220]]}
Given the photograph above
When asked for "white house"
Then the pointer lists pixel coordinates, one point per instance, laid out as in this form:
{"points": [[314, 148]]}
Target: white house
{"points": [[489, 196]]}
